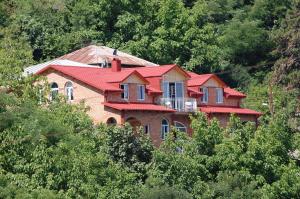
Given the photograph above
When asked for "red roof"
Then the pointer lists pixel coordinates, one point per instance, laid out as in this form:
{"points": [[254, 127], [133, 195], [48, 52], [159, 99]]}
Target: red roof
{"points": [[137, 107], [100, 78], [194, 91], [103, 78], [229, 92], [158, 71], [215, 109], [198, 80]]}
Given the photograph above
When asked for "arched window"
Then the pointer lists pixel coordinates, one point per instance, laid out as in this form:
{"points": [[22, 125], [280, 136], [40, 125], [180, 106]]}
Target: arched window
{"points": [[164, 128], [53, 90], [180, 127], [69, 91], [111, 121]]}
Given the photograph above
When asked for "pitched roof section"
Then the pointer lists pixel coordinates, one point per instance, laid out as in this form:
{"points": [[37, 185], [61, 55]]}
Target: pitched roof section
{"points": [[63, 62], [159, 71], [137, 107], [91, 76], [101, 54], [198, 80], [228, 110], [229, 92]]}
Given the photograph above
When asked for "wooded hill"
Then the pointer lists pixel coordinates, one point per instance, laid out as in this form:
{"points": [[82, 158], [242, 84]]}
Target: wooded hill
{"points": [[55, 151]]}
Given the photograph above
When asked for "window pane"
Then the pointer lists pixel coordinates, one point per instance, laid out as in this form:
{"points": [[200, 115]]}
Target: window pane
{"points": [[179, 89], [205, 94], [125, 93], [141, 92], [166, 89]]}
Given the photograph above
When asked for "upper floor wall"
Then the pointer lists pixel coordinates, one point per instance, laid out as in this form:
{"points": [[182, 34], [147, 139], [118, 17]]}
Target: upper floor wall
{"points": [[213, 95]]}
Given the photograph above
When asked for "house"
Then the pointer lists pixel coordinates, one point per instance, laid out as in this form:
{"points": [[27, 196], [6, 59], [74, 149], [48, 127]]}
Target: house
{"points": [[154, 98]]}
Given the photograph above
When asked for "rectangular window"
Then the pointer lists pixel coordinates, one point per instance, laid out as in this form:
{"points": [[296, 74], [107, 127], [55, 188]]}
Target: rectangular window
{"points": [[141, 92], [166, 89], [219, 95], [179, 89], [205, 94], [147, 129], [125, 93]]}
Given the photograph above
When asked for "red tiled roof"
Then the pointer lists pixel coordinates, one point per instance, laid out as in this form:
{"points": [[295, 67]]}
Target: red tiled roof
{"points": [[215, 109], [194, 91], [90, 76], [229, 92], [198, 80], [100, 78], [158, 71], [151, 89], [137, 107]]}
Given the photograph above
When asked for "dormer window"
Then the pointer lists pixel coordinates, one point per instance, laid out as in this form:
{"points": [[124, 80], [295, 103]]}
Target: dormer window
{"points": [[219, 95], [141, 92], [125, 93], [205, 94]]}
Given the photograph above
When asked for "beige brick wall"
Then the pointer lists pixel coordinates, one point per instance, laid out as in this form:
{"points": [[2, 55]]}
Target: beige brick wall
{"points": [[153, 119], [212, 85], [93, 98], [116, 96]]}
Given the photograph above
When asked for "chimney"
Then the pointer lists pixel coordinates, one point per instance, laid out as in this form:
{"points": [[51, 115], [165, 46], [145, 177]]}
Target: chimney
{"points": [[116, 65]]}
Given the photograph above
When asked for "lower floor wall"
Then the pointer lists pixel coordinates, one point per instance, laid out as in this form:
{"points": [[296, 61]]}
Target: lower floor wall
{"points": [[153, 120], [224, 118]]}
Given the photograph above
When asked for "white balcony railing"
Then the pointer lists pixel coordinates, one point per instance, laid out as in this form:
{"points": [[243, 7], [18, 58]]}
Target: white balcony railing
{"points": [[180, 104]]}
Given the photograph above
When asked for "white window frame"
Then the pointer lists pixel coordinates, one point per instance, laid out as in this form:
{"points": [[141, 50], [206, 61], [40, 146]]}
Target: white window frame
{"points": [[141, 92], [52, 90], [69, 91], [180, 126], [165, 129], [219, 95], [204, 98], [125, 92]]}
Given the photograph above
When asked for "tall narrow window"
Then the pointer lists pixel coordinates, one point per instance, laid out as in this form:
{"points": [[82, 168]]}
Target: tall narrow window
{"points": [[147, 129], [69, 91], [53, 91], [141, 92], [166, 89], [164, 128], [125, 93], [219, 95], [205, 94]]}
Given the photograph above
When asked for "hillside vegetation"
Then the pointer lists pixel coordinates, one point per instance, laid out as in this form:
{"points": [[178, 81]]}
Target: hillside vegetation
{"points": [[52, 150]]}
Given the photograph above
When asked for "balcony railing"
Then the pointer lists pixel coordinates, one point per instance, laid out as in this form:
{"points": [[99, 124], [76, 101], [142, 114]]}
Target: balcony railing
{"points": [[180, 104]]}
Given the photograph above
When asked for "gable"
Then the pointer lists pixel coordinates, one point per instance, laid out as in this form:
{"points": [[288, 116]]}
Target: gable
{"points": [[214, 81], [134, 79], [174, 75]]}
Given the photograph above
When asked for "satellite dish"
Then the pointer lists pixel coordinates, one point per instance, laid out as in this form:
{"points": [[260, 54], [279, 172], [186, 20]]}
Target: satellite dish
{"points": [[115, 52]]}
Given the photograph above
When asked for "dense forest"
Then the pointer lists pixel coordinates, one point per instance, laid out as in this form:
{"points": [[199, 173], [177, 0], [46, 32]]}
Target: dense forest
{"points": [[53, 150]]}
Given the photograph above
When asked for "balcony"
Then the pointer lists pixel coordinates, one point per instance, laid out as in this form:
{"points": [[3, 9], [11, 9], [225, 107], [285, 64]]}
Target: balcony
{"points": [[180, 104]]}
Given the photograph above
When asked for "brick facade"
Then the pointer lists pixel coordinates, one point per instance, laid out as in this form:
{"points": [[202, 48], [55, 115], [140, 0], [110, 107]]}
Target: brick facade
{"points": [[94, 98]]}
